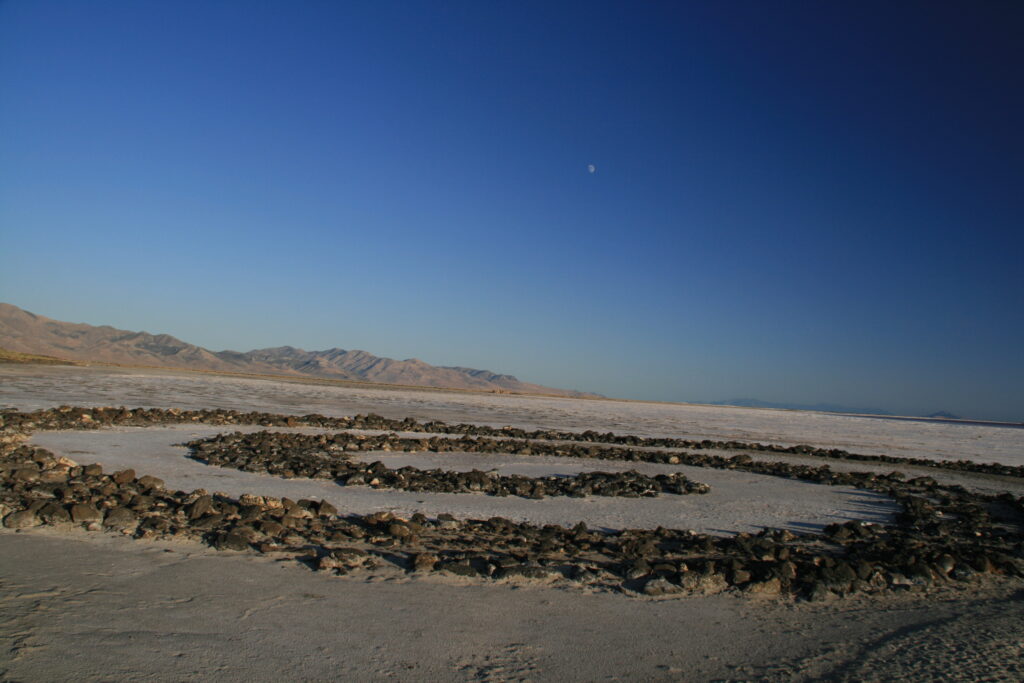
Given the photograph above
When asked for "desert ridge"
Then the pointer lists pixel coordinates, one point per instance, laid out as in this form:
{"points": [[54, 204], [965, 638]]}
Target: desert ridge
{"points": [[28, 333]]}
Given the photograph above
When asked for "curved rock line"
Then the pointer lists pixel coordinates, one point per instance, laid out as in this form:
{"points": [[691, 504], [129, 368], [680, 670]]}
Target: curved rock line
{"points": [[327, 457], [944, 534], [283, 451], [68, 417]]}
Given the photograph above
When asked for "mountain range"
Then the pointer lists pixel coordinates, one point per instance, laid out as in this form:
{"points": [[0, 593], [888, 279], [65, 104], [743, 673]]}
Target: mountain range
{"points": [[25, 332]]}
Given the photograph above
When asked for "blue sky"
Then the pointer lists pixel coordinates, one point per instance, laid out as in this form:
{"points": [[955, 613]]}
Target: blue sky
{"points": [[794, 201]]}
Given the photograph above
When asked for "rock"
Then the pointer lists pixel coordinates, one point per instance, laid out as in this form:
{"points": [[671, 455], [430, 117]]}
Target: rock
{"points": [[345, 559], [819, 592], [659, 585], [424, 561], [208, 522], [141, 503], [55, 476], [93, 470], [769, 587], [124, 476], [202, 505], [271, 528], [233, 540], [149, 483], [707, 582], [787, 570], [298, 512], [639, 568], [840, 576], [399, 531], [920, 574], [328, 562], [25, 475], [897, 579], [85, 514], [249, 533], [54, 513], [528, 572], [446, 521], [740, 576], [462, 568], [22, 520], [945, 564], [864, 570], [121, 519]]}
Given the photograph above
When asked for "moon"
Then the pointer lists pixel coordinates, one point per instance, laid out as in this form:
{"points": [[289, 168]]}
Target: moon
{"points": [[591, 168]]}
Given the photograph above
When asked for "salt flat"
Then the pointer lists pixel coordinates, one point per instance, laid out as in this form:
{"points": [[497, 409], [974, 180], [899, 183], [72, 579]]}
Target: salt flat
{"points": [[738, 501], [31, 387], [99, 606]]}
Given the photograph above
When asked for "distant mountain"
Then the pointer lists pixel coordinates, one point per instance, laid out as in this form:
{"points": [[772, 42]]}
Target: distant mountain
{"points": [[944, 415], [818, 407], [24, 332]]}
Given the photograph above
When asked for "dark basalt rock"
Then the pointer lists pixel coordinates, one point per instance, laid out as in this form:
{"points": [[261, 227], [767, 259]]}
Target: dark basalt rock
{"points": [[121, 518], [659, 585], [148, 483], [327, 457], [235, 539], [54, 513], [84, 513], [22, 519]]}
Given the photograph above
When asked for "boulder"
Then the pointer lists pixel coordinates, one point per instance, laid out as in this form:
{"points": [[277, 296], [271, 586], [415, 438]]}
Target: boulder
{"points": [[659, 585], [22, 519], [121, 519], [148, 483], [82, 513]]}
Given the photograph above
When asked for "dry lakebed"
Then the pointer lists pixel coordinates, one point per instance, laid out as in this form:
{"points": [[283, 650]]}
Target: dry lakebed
{"points": [[163, 525]]}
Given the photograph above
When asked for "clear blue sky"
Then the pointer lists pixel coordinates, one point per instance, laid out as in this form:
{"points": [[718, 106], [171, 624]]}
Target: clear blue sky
{"points": [[794, 201]]}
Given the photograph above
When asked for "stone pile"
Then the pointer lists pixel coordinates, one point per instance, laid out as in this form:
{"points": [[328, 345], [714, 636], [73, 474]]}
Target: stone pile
{"points": [[68, 417], [328, 457], [943, 534]]}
